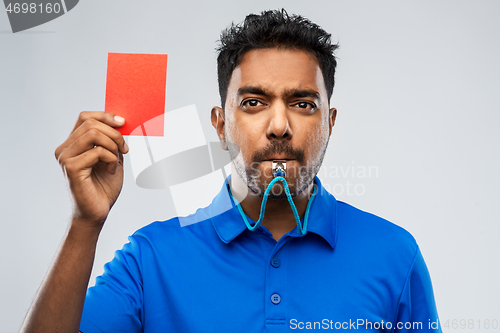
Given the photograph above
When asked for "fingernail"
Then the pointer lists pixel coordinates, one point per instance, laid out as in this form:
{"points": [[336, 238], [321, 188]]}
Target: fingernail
{"points": [[119, 120], [125, 146]]}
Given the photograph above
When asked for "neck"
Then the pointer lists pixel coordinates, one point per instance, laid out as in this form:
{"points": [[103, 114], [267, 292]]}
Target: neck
{"points": [[278, 218]]}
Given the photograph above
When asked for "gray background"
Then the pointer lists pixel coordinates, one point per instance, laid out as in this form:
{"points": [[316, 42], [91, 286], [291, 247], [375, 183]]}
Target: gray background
{"points": [[417, 94]]}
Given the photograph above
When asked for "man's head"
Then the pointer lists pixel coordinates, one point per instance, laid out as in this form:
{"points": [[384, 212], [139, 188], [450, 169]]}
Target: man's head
{"points": [[274, 29], [276, 76]]}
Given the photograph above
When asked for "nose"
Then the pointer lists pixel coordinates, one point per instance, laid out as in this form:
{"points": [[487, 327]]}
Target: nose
{"points": [[279, 125]]}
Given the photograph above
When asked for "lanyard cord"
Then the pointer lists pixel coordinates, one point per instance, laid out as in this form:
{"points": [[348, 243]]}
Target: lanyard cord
{"points": [[302, 228]]}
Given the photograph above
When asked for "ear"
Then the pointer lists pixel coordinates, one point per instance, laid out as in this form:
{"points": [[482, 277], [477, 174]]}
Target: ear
{"points": [[331, 118], [217, 117]]}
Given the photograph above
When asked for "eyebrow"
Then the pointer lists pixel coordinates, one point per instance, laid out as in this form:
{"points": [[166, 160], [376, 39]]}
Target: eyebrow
{"points": [[256, 90], [303, 93]]}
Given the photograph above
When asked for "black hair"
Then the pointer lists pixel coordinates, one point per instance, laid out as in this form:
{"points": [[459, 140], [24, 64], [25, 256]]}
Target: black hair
{"points": [[274, 28]]}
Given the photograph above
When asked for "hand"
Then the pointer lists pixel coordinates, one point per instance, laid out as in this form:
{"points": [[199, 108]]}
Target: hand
{"points": [[92, 160]]}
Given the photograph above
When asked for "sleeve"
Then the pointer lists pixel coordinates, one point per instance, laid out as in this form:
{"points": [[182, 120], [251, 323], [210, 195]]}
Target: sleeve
{"points": [[114, 304], [416, 311]]}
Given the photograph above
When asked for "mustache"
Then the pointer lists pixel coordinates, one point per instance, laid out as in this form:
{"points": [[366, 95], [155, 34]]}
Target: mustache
{"points": [[279, 147]]}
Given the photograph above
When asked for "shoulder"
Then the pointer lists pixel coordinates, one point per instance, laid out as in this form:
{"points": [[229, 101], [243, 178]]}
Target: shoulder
{"points": [[171, 230], [374, 233], [172, 235]]}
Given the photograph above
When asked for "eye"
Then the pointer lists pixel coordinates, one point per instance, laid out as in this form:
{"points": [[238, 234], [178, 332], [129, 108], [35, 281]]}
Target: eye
{"points": [[252, 104], [306, 106]]}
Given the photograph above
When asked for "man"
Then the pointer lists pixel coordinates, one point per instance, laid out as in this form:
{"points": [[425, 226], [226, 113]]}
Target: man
{"points": [[335, 267]]}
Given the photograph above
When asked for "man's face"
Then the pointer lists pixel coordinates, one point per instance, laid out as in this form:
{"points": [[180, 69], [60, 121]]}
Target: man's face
{"points": [[276, 109]]}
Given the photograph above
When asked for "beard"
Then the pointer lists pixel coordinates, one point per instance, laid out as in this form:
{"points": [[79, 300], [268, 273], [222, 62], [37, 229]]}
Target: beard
{"points": [[298, 177]]}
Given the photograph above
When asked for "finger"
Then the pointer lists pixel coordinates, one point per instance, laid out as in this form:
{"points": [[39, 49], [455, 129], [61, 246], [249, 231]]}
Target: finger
{"points": [[88, 141], [89, 124], [90, 158], [104, 117], [120, 158]]}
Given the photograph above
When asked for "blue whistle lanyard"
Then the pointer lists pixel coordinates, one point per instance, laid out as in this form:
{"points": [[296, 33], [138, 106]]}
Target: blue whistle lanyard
{"points": [[302, 228]]}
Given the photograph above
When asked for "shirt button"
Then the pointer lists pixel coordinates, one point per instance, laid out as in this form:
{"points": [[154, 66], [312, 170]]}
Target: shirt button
{"points": [[276, 299], [275, 262]]}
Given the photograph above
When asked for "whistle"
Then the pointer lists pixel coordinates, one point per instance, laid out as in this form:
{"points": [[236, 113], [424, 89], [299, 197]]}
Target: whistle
{"points": [[279, 168]]}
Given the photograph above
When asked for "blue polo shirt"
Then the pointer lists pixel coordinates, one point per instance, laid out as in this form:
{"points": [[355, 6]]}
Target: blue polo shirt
{"points": [[351, 271]]}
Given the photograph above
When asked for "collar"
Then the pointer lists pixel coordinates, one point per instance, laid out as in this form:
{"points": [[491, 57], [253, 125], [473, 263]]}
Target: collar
{"points": [[228, 223]]}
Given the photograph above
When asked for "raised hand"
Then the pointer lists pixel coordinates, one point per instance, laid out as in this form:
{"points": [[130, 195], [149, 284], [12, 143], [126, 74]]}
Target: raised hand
{"points": [[92, 160]]}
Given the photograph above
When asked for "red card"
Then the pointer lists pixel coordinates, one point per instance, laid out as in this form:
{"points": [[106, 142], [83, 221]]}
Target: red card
{"points": [[135, 90]]}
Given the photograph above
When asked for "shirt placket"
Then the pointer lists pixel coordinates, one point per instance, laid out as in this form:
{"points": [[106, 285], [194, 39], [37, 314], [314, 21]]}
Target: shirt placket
{"points": [[275, 295]]}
